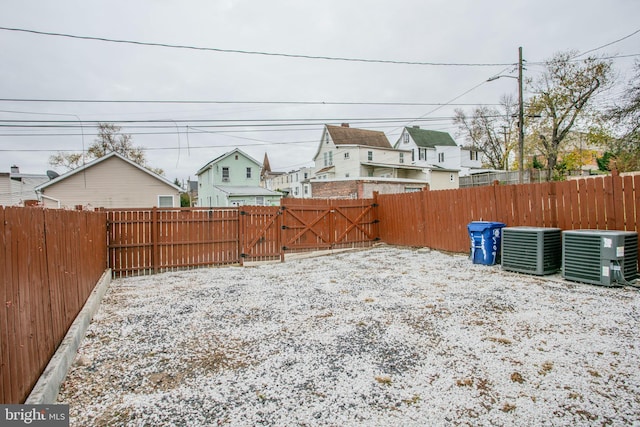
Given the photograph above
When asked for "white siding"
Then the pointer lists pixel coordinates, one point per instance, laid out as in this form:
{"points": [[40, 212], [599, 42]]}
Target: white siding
{"points": [[112, 183]]}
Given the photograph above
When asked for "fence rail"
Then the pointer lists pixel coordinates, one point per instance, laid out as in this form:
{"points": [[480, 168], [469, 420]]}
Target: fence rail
{"points": [[147, 241], [50, 261], [438, 219]]}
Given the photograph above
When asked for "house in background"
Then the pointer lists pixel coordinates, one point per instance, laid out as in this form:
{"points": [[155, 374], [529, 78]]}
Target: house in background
{"points": [[295, 183], [430, 148], [17, 188], [353, 163], [233, 179], [112, 181]]}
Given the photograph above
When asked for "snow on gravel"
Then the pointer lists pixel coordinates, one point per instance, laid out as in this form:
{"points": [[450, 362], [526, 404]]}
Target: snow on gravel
{"points": [[384, 336]]}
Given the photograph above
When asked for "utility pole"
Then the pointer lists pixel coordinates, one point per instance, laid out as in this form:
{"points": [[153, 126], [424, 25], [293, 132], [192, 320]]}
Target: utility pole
{"points": [[520, 120]]}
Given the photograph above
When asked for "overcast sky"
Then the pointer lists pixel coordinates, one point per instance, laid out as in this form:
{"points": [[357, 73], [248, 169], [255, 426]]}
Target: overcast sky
{"points": [[471, 32]]}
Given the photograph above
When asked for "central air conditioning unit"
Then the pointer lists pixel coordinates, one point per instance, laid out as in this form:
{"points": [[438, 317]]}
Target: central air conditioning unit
{"points": [[600, 257], [532, 250]]}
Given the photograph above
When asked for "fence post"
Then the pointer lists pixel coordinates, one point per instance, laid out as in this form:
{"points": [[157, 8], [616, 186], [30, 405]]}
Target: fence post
{"points": [[241, 232], [281, 227], [553, 204], [154, 240]]}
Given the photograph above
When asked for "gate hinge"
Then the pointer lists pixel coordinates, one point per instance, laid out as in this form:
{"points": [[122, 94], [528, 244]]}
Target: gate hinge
{"points": [[284, 248], [374, 205], [243, 255], [243, 212], [375, 221], [284, 227]]}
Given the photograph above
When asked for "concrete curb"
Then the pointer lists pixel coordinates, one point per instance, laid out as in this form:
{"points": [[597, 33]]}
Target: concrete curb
{"points": [[48, 385]]}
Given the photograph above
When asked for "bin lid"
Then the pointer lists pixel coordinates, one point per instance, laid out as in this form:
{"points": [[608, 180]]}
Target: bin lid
{"points": [[484, 225]]}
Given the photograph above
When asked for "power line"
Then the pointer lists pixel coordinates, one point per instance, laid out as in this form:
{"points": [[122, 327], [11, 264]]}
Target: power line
{"points": [[250, 52], [608, 44], [148, 101]]}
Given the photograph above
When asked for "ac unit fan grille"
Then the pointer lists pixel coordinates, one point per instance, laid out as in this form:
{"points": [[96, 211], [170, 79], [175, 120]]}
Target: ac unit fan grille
{"points": [[581, 258], [630, 266], [532, 250]]}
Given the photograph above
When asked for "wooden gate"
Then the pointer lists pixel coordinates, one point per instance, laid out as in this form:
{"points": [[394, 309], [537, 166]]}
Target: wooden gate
{"points": [[328, 224], [260, 236], [148, 241]]}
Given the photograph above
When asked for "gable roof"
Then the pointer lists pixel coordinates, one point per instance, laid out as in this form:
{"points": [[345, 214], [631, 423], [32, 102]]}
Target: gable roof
{"points": [[102, 159], [343, 135], [430, 138], [224, 156]]}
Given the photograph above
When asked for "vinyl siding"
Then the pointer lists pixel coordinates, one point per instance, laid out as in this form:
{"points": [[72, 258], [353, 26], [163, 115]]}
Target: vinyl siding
{"points": [[112, 183]]}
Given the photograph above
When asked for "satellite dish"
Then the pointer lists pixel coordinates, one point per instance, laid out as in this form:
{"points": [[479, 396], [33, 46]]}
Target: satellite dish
{"points": [[52, 174]]}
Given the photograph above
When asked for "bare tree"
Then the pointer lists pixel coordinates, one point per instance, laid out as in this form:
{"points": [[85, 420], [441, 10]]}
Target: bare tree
{"points": [[625, 150], [491, 131], [109, 140], [562, 96]]}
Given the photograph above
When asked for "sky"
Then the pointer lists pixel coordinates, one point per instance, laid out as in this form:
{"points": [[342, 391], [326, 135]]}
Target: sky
{"points": [[261, 79]]}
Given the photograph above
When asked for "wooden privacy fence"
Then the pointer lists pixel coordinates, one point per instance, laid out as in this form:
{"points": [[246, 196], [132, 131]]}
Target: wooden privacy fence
{"points": [[50, 261], [144, 241], [438, 219]]}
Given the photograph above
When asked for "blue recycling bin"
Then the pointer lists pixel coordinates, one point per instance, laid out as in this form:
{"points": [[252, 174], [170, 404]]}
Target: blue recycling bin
{"points": [[485, 241]]}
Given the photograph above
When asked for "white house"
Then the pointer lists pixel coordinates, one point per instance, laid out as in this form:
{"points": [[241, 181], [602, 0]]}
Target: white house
{"points": [[437, 149], [295, 183], [346, 152], [16, 187]]}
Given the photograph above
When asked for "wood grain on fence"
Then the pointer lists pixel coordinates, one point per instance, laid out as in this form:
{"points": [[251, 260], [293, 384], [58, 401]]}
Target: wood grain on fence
{"points": [[50, 261], [605, 203]]}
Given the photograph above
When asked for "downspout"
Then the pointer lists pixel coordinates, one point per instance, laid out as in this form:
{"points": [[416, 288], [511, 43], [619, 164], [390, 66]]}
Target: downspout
{"points": [[42, 196]]}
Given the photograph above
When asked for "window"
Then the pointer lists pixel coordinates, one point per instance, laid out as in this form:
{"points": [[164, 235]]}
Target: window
{"points": [[413, 155], [306, 189], [165, 201], [346, 156], [440, 157], [473, 155], [259, 201], [422, 154], [248, 172], [306, 175], [401, 157], [406, 137], [369, 155], [225, 174], [296, 191], [330, 158]]}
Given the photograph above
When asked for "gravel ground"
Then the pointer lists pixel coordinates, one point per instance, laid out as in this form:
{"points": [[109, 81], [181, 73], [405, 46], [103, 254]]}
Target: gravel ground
{"points": [[384, 336]]}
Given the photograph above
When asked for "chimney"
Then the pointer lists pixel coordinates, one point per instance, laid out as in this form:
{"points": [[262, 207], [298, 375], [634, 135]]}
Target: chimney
{"points": [[345, 125], [416, 127], [15, 169]]}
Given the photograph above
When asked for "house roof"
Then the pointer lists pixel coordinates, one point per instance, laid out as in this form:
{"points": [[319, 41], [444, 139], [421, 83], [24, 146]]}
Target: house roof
{"points": [[327, 169], [224, 156], [239, 190], [430, 138], [100, 160], [394, 166], [342, 135]]}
